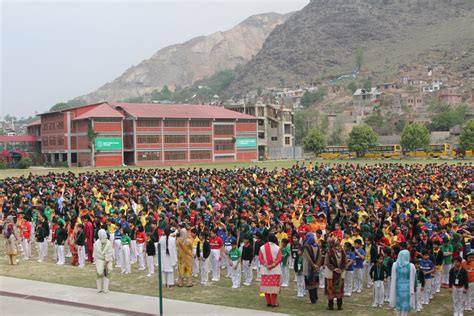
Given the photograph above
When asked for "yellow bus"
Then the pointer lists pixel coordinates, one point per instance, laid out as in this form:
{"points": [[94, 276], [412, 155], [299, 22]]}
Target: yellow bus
{"points": [[336, 152], [385, 151], [434, 150]]}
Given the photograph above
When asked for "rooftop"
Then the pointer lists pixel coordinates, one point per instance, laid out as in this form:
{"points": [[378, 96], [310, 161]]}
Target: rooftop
{"points": [[103, 110]]}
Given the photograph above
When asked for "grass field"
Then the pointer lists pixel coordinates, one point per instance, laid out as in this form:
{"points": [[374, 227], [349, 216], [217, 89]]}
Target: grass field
{"points": [[219, 293], [263, 164]]}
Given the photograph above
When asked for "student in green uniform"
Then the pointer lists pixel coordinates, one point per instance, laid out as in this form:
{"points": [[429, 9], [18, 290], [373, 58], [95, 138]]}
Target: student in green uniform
{"points": [[125, 240], [285, 262], [81, 251], [235, 267], [447, 249]]}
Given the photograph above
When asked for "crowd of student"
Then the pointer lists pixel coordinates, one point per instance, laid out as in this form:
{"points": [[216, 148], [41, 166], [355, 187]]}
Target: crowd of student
{"points": [[337, 227]]}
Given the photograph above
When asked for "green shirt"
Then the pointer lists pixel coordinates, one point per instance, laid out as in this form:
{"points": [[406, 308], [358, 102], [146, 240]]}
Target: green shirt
{"points": [[447, 248], [285, 254], [234, 254], [47, 213], [125, 240]]}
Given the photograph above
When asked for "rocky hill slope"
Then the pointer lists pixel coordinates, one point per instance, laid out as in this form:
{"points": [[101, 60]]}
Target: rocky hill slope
{"points": [[182, 64], [323, 38]]}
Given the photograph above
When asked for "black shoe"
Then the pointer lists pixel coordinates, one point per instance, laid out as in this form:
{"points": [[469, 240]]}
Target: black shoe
{"points": [[269, 305]]}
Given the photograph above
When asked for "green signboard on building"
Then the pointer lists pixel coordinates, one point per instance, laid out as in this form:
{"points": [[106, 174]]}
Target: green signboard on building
{"points": [[246, 142], [114, 143]]}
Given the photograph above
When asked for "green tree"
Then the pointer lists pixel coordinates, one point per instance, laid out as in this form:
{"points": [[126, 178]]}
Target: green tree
{"points": [[362, 138], [352, 86], [314, 141], [259, 91], [467, 136], [359, 59], [310, 98], [166, 93], [376, 122], [415, 136], [445, 116], [304, 121]]}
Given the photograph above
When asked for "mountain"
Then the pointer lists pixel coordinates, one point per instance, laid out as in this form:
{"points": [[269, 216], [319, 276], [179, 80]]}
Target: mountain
{"points": [[182, 64], [322, 40]]}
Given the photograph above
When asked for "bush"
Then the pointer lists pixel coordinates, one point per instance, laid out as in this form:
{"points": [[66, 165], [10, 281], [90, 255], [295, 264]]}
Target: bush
{"points": [[3, 164], [25, 163]]}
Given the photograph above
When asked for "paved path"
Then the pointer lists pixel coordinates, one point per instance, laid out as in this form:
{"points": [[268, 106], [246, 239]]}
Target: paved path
{"points": [[21, 297]]}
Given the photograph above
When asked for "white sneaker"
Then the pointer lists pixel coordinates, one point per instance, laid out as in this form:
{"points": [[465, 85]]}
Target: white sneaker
{"points": [[235, 287], [284, 285], [149, 275], [141, 269], [375, 305], [246, 284]]}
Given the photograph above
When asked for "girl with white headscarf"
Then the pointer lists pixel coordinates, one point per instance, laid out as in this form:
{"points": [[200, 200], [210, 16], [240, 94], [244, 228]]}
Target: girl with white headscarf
{"points": [[402, 287], [103, 255]]}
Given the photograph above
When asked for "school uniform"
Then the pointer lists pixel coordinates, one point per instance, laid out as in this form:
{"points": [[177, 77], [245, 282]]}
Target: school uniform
{"points": [[427, 265], [236, 268], [118, 249], [470, 278], [458, 281], [81, 251], [378, 274], [203, 251], [150, 255], [40, 239], [216, 245], [388, 263], [60, 238], [133, 245], [256, 260], [26, 230], [285, 268], [349, 276], [247, 257], [358, 270], [419, 285], [195, 242], [227, 248], [126, 263], [370, 259], [298, 267], [447, 263], [141, 238], [438, 262]]}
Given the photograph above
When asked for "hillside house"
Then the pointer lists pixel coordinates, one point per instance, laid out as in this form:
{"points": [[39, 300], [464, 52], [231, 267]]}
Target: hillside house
{"points": [[362, 96], [450, 96]]}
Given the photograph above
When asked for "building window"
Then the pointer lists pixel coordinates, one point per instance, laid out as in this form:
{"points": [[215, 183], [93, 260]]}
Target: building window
{"points": [[200, 154], [175, 155], [224, 145], [45, 141], [287, 129], [273, 124], [175, 123], [200, 139], [224, 157], [260, 122], [287, 141], [224, 129], [199, 123], [175, 139], [148, 123], [148, 155], [60, 141], [52, 141], [274, 138], [149, 139]]}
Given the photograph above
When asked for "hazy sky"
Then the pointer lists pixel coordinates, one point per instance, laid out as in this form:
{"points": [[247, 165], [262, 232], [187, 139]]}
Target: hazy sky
{"points": [[54, 51]]}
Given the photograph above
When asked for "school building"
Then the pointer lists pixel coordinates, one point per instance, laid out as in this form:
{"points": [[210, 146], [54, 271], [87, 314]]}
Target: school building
{"points": [[116, 134]]}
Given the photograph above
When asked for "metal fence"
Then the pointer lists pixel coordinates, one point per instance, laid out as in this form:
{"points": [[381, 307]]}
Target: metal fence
{"points": [[285, 152]]}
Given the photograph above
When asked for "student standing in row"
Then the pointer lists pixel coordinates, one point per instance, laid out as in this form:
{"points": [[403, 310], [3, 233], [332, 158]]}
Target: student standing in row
{"points": [[358, 266], [469, 266], [378, 275], [247, 257], [458, 285], [349, 278], [141, 239], [419, 286], [168, 257], [216, 251], [80, 242], [234, 264], [298, 267], [150, 255], [203, 252], [285, 266], [125, 246]]}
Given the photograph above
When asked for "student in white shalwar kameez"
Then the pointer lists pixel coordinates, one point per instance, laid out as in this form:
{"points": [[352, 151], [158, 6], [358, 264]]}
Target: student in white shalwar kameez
{"points": [[103, 257], [169, 257]]}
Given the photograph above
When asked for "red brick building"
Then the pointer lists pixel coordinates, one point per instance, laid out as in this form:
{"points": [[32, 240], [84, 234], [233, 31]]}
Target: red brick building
{"points": [[147, 134]]}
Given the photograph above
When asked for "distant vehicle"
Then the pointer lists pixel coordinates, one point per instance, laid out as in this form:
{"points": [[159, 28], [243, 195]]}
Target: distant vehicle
{"points": [[434, 151], [385, 151], [341, 152]]}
